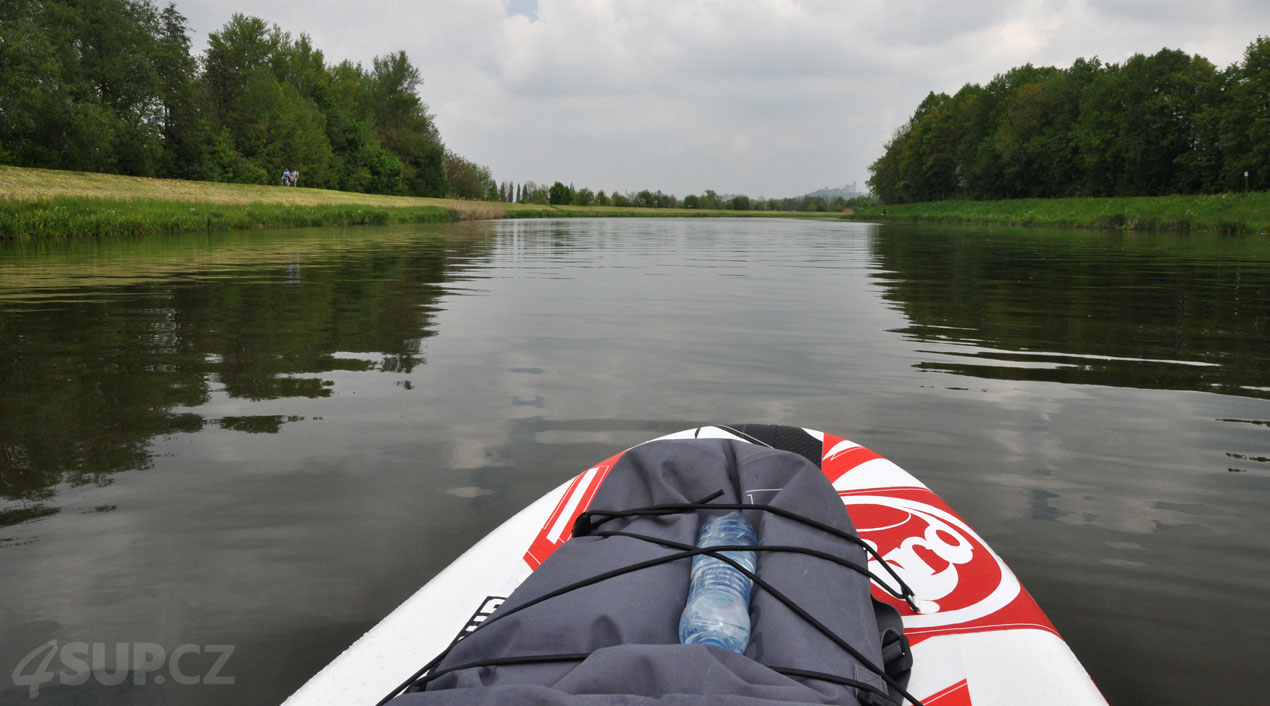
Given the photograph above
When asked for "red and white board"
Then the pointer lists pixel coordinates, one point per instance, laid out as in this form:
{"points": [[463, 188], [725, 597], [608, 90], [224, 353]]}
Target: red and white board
{"points": [[980, 639]]}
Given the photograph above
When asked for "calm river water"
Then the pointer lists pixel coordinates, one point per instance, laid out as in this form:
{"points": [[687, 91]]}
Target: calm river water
{"points": [[268, 440]]}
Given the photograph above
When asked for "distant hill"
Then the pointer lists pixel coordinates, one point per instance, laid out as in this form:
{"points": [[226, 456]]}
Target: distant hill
{"points": [[846, 191]]}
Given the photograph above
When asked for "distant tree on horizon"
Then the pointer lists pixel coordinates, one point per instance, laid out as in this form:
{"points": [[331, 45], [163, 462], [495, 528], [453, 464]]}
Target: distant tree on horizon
{"points": [[559, 194], [467, 180]]}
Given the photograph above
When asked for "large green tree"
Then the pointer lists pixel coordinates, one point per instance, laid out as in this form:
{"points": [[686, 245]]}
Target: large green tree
{"points": [[1158, 99], [186, 131], [404, 125], [80, 90], [1244, 127], [468, 180], [361, 161], [560, 194], [272, 123]]}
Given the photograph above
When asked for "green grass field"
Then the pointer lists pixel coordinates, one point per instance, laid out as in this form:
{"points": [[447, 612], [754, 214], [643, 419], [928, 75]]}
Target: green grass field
{"points": [[41, 203], [1221, 213]]}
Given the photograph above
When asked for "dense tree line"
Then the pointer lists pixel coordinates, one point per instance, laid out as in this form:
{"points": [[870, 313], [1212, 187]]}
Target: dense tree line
{"points": [[111, 86], [1161, 124], [560, 194]]}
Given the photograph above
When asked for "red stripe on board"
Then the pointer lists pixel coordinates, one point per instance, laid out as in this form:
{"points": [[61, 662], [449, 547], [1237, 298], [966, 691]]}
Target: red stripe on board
{"points": [[540, 542], [837, 465], [956, 695], [543, 545]]}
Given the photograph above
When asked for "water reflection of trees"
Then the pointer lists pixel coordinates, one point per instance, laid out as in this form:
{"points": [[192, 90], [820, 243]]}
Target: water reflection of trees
{"points": [[1150, 311], [89, 378]]}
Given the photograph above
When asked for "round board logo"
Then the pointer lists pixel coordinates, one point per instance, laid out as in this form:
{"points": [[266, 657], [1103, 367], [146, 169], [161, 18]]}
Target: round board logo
{"points": [[945, 563]]}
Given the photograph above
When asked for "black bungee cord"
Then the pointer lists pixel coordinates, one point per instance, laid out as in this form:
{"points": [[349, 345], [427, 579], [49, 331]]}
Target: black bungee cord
{"points": [[585, 524], [778, 595], [584, 527]]}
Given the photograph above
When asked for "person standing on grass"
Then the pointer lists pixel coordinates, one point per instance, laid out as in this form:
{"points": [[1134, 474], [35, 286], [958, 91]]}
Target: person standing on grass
{"points": [[286, 177], [295, 177]]}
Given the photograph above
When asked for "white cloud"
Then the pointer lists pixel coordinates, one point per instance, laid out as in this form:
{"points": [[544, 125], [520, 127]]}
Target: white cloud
{"points": [[771, 97]]}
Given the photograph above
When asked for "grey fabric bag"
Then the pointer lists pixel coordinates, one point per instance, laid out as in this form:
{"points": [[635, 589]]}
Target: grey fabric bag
{"points": [[627, 626]]}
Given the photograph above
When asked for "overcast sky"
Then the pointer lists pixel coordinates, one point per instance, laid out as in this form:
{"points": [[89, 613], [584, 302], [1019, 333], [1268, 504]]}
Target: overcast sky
{"points": [[762, 97]]}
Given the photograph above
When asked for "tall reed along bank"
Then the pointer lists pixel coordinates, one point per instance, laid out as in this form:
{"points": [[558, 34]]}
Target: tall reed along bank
{"points": [[1219, 213], [41, 203]]}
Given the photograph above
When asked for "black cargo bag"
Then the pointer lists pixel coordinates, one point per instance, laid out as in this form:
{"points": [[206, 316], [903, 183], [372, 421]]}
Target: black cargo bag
{"points": [[615, 641]]}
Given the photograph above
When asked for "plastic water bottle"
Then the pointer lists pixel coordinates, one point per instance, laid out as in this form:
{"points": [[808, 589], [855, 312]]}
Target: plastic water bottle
{"points": [[718, 608]]}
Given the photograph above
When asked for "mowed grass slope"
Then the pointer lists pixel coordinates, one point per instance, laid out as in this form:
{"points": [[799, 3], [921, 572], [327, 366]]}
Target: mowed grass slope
{"points": [[37, 203], [23, 184], [1221, 213]]}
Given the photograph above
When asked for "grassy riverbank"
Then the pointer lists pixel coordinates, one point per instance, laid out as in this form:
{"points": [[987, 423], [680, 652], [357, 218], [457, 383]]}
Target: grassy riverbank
{"points": [[1221, 213], [39, 203], [69, 216]]}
